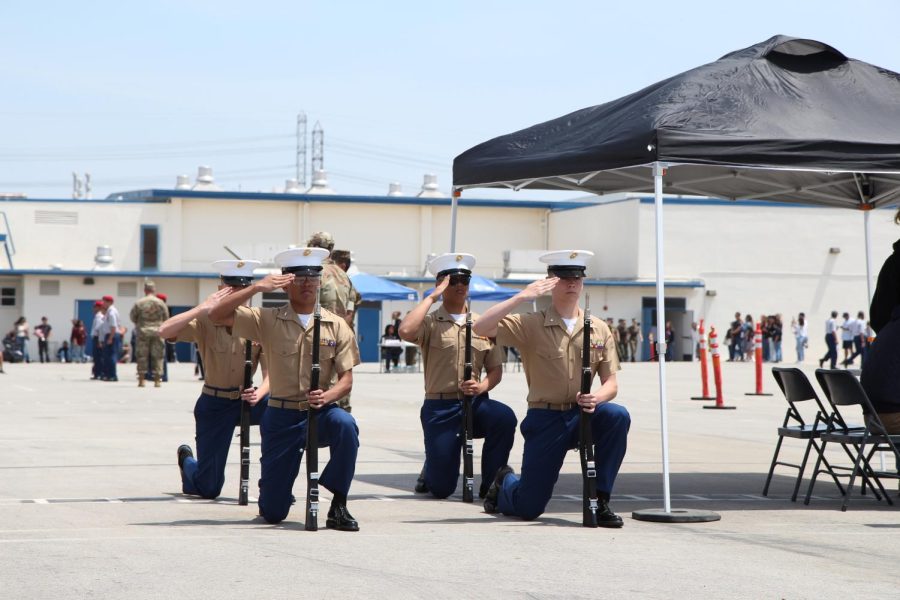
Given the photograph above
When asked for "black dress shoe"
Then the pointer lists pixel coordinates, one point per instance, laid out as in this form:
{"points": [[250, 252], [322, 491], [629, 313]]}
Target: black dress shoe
{"points": [[421, 486], [340, 518], [606, 517], [184, 451], [493, 492]]}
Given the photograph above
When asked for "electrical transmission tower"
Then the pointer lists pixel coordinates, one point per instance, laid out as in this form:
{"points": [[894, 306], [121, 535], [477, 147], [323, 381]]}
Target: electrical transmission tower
{"points": [[301, 150], [318, 148]]}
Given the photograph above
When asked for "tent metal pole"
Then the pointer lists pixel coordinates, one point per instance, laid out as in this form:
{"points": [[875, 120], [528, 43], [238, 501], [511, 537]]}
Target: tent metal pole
{"points": [[870, 282], [661, 329], [454, 196]]}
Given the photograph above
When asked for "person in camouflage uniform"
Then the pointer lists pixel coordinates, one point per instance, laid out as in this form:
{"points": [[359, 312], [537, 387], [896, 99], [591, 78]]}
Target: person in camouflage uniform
{"points": [[148, 314], [337, 293]]}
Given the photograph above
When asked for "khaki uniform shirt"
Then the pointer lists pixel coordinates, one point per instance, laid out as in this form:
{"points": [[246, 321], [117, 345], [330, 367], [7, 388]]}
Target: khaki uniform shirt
{"points": [[337, 294], [443, 344], [288, 348], [552, 357], [223, 352], [148, 314]]}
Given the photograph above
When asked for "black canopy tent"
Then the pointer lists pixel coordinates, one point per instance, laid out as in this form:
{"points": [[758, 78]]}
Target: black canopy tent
{"points": [[786, 120]]}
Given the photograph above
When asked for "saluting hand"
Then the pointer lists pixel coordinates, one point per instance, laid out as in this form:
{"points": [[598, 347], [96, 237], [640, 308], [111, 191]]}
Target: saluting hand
{"points": [[587, 402], [538, 288], [250, 396], [440, 288], [273, 282], [213, 299], [316, 398]]}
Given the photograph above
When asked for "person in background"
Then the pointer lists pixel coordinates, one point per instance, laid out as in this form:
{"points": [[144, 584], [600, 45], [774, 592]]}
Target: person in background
{"points": [[777, 332], [670, 340], [390, 354], [858, 331], [96, 343], [42, 332], [831, 340], [77, 340], [635, 339], [746, 336], [621, 333], [21, 327], [733, 336], [847, 328], [801, 333], [111, 339], [62, 354]]}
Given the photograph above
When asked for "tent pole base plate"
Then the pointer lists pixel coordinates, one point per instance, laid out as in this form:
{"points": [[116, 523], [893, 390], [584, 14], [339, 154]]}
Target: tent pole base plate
{"points": [[676, 515]]}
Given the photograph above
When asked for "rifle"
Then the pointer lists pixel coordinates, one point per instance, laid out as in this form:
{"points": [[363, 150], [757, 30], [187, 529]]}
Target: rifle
{"points": [[585, 435], [467, 424], [244, 492], [312, 432]]}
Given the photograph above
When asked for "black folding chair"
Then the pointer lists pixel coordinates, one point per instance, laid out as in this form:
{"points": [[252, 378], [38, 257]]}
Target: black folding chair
{"points": [[843, 389], [797, 388]]}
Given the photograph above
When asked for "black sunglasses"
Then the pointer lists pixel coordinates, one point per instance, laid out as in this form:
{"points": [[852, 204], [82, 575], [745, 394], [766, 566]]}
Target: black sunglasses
{"points": [[460, 279]]}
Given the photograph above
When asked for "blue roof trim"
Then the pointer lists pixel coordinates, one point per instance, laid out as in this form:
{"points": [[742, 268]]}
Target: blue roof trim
{"points": [[76, 273], [159, 194]]}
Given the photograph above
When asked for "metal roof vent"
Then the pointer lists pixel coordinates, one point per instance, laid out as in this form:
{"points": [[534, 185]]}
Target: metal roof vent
{"points": [[104, 259], [395, 189], [183, 182], [205, 181], [320, 183], [430, 188], [292, 186]]}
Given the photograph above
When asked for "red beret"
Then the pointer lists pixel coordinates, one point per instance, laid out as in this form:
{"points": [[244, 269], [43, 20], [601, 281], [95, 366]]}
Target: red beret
{"points": [[107, 298], [162, 297], [98, 303]]}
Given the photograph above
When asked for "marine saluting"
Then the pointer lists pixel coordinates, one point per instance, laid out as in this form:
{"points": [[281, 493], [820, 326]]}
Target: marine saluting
{"points": [[286, 334], [441, 335], [551, 347], [227, 392]]}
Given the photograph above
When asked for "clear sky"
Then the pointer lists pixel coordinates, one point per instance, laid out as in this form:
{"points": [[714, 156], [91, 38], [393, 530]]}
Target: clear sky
{"points": [[137, 93]]}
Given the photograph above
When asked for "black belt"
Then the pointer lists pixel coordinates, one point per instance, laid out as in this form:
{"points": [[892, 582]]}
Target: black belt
{"points": [[231, 393], [550, 406]]}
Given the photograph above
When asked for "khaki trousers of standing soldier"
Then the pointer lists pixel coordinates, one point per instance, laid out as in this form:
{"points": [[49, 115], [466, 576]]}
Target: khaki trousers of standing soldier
{"points": [[150, 346]]}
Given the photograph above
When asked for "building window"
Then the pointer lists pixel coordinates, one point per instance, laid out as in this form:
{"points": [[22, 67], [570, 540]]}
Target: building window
{"points": [[48, 287], [127, 289], [149, 247], [8, 296]]}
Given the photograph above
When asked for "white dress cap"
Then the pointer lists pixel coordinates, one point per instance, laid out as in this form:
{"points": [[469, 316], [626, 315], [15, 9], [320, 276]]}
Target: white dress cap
{"points": [[236, 272], [301, 260], [452, 262], [570, 262]]}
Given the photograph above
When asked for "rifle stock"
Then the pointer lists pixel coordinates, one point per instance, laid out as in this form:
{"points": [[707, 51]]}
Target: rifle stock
{"points": [[244, 491], [586, 438], [312, 431]]}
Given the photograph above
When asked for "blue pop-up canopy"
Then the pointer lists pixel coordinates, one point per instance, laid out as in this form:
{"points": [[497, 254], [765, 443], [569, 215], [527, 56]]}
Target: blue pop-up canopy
{"points": [[481, 288], [372, 287]]}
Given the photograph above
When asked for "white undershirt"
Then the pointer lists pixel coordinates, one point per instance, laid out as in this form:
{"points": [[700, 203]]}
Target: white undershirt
{"points": [[304, 319], [570, 323], [459, 318]]}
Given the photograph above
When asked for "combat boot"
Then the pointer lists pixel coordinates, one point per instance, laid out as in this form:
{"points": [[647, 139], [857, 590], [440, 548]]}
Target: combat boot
{"points": [[140, 380], [157, 379]]}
